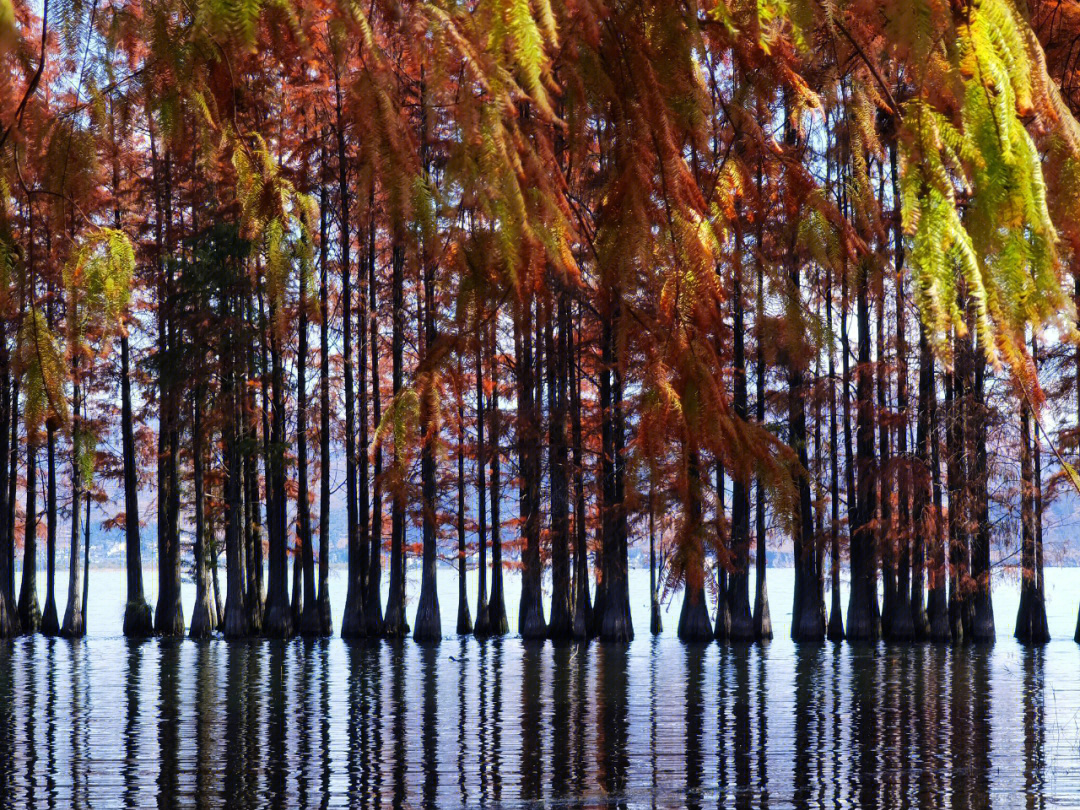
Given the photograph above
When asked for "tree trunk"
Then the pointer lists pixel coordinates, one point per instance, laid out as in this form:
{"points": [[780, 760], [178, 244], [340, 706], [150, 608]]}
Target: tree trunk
{"points": [[763, 629], [937, 609], [138, 621], [352, 622], [531, 621], [808, 612], [561, 626], [482, 627], [583, 618], [9, 618], [29, 613], [50, 620], [237, 613], [656, 623], [901, 621], [74, 625], [310, 623], [742, 620], [982, 629], [924, 521], [395, 624], [203, 617], [1031, 626], [885, 534], [694, 623], [278, 619], [613, 600], [722, 631], [326, 622], [464, 618], [955, 398], [835, 629], [373, 613], [864, 622], [497, 621], [169, 615]]}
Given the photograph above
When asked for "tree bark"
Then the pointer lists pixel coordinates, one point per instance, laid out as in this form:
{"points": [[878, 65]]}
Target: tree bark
{"points": [[482, 627], [138, 620], [742, 620], [29, 613], [694, 623], [326, 622], [864, 622], [561, 625], [203, 617], [531, 621], [310, 623], [373, 613], [497, 621], [583, 618], [464, 617], [395, 624], [835, 629]]}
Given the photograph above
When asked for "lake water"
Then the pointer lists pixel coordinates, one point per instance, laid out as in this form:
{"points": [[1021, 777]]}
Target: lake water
{"points": [[106, 723]]}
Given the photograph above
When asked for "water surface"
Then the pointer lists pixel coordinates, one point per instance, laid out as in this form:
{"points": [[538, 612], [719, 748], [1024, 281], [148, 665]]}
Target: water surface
{"points": [[108, 723]]}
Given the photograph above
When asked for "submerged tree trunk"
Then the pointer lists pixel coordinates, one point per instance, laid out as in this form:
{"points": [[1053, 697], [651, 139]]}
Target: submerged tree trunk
{"points": [[29, 613], [558, 383], [1031, 625], [531, 621], [982, 629], [352, 622], [169, 615], [482, 627], [138, 621], [395, 624], [373, 612], [923, 517], [835, 629], [694, 623], [583, 619], [613, 605], [310, 623], [74, 625], [864, 623], [326, 622], [742, 620], [237, 614], [50, 620], [277, 621], [901, 625], [763, 629], [9, 618], [656, 623], [808, 612], [464, 618], [203, 618], [498, 625]]}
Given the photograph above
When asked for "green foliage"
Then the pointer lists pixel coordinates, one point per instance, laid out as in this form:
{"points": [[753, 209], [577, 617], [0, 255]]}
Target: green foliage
{"points": [[974, 195], [39, 361], [98, 279], [275, 217]]}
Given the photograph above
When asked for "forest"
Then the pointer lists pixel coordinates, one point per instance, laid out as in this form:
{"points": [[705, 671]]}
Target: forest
{"points": [[538, 286]]}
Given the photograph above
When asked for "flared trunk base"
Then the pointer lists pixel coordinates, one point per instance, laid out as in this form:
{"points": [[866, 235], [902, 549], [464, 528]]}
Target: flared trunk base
{"points": [[202, 622], [1031, 627], [694, 624], [763, 629], [50, 620], [138, 620], [277, 623]]}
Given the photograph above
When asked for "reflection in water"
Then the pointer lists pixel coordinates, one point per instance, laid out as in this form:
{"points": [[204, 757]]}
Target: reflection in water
{"points": [[112, 723]]}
